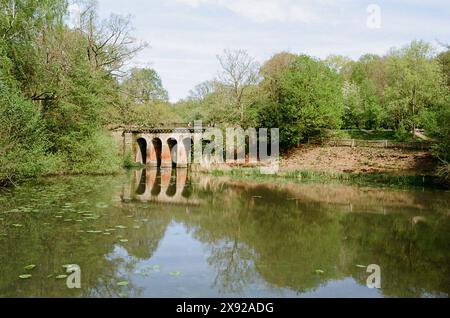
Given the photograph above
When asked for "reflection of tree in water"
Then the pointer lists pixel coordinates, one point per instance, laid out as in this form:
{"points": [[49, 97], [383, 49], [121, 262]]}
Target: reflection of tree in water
{"points": [[256, 231], [50, 242], [144, 241], [233, 262], [414, 258], [251, 237], [253, 232]]}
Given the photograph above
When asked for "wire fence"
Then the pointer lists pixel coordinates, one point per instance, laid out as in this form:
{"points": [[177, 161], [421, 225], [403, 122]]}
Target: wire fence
{"points": [[338, 142]]}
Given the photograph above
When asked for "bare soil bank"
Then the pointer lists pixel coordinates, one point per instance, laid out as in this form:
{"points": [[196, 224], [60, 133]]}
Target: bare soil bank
{"points": [[359, 160]]}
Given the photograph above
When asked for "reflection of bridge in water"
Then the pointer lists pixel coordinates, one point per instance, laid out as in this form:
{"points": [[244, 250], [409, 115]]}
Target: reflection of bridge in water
{"points": [[167, 186]]}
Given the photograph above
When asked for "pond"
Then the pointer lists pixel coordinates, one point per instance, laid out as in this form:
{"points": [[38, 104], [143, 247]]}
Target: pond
{"points": [[169, 233]]}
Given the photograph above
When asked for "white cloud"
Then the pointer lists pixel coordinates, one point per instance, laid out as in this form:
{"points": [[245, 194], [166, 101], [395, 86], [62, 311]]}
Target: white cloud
{"points": [[265, 10], [186, 35]]}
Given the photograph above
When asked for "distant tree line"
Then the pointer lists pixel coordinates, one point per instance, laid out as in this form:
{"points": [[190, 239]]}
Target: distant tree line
{"points": [[62, 83], [406, 89]]}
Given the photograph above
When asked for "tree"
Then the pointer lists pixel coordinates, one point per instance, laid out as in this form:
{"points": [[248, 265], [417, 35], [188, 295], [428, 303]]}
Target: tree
{"points": [[416, 84], [273, 69], [110, 43], [23, 143], [310, 99], [202, 90], [143, 85], [340, 64], [444, 60], [239, 72]]}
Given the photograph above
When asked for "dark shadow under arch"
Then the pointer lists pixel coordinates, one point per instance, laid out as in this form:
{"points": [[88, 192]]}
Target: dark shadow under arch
{"points": [[156, 187], [142, 144], [172, 189], [142, 183], [157, 146]]}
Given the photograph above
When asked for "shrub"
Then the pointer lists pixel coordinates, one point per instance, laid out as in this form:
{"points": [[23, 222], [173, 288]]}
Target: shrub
{"points": [[22, 138]]}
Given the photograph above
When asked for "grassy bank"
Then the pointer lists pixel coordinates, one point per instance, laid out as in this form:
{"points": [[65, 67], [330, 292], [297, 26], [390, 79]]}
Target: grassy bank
{"points": [[378, 179]]}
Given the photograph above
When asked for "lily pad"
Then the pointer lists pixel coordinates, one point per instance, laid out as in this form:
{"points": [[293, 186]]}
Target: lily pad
{"points": [[30, 267], [175, 273], [122, 283], [319, 272], [123, 240], [25, 276], [17, 225], [121, 227], [142, 273], [61, 276], [361, 266]]}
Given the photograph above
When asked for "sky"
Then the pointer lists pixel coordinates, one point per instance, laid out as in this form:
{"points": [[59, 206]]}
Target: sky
{"points": [[185, 36]]}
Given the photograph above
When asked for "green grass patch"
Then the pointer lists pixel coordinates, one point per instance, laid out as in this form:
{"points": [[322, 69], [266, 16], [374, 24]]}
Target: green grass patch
{"points": [[367, 179]]}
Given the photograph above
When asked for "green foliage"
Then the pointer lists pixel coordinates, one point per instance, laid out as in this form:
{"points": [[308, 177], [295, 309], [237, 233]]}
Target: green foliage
{"points": [[415, 84], [56, 86], [129, 163], [444, 60], [23, 144], [95, 154], [148, 115], [310, 98], [144, 86]]}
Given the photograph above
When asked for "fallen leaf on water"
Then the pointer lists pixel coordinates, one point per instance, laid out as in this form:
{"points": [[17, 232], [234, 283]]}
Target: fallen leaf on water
{"points": [[29, 267]]}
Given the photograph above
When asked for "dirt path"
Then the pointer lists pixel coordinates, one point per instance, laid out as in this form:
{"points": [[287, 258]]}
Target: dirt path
{"points": [[346, 159]]}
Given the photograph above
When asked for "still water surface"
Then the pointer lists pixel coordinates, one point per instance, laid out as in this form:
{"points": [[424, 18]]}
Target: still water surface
{"points": [[170, 234]]}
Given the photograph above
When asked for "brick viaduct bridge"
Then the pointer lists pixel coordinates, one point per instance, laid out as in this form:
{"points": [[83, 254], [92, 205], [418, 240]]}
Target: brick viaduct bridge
{"points": [[164, 146]]}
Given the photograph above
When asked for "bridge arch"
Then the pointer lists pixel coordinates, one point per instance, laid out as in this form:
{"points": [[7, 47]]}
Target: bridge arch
{"points": [[141, 153], [173, 148], [156, 150]]}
